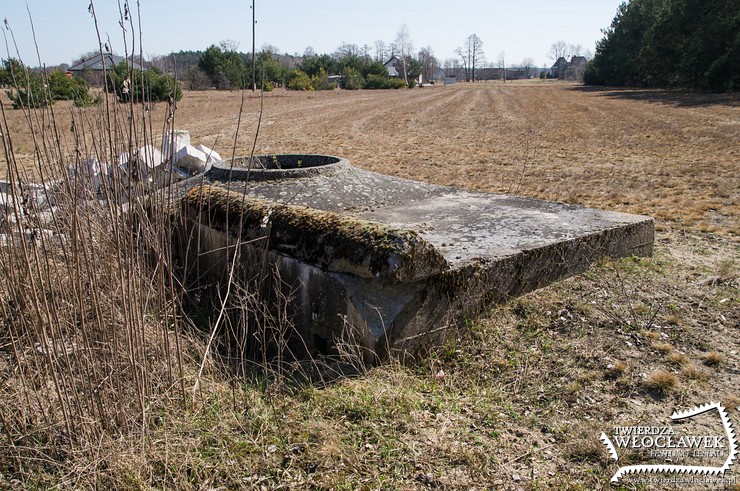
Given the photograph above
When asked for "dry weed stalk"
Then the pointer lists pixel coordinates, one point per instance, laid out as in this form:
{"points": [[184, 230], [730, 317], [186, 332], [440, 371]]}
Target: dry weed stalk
{"points": [[91, 332]]}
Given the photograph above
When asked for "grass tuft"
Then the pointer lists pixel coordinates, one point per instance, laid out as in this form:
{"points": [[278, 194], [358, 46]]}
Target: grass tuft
{"points": [[693, 372], [661, 382], [677, 358], [664, 348], [713, 359], [615, 370]]}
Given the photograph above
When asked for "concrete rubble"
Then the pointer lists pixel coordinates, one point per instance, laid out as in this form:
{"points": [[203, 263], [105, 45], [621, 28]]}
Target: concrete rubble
{"points": [[129, 176]]}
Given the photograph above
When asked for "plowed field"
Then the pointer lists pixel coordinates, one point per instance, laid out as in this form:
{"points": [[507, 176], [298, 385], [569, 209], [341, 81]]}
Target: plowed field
{"points": [[671, 155]]}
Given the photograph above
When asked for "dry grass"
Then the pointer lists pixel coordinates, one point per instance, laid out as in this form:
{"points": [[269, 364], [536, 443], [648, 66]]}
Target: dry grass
{"points": [[678, 358], [664, 348], [693, 372], [661, 382], [615, 370], [713, 359]]}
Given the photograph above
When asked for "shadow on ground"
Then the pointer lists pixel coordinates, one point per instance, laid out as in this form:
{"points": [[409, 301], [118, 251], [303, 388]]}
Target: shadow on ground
{"points": [[679, 98]]}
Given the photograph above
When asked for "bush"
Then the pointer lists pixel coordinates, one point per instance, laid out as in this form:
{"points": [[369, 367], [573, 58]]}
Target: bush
{"points": [[351, 79], [66, 88], [374, 81], [320, 81], [591, 74], [149, 86], [32, 95], [397, 83], [299, 81], [196, 79], [29, 87]]}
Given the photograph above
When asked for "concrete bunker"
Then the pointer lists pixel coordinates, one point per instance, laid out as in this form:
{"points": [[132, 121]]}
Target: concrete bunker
{"points": [[385, 263]]}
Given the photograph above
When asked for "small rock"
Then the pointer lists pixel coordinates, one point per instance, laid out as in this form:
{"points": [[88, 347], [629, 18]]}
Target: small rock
{"points": [[516, 477]]}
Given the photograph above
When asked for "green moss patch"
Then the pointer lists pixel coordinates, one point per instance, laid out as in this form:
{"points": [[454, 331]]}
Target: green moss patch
{"points": [[329, 240]]}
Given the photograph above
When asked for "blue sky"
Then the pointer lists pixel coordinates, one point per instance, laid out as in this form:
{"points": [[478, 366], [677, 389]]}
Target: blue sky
{"points": [[520, 28]]}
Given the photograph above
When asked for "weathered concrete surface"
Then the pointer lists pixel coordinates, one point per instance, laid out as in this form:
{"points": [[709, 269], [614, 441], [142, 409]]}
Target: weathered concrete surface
{"points": [[389, 262]]}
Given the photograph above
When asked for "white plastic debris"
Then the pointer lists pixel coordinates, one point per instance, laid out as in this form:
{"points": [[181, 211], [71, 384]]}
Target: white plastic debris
{"points": [[150, 157], [5, 187], [144, 161], [173, 142], [40, 197], [192, 160], [8, 205]]}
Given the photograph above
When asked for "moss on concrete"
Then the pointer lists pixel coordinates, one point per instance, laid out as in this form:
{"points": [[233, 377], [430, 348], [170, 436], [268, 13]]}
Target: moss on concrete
{"points": [[337, 242]]}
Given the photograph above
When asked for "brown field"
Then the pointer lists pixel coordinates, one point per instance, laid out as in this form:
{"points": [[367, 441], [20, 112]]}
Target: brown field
{"points": [[673, 156], [527, 388]]}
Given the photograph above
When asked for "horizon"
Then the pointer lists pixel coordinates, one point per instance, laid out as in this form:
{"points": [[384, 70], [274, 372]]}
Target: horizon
{"points": [[524, 30]]}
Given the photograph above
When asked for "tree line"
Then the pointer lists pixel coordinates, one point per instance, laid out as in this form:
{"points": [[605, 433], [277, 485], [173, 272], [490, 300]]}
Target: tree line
{"points": [[670, 43], [224, 68], [221, 66]]}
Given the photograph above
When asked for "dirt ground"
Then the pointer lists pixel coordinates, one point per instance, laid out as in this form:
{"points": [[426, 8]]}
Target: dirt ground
{"points": [[519, 398]]}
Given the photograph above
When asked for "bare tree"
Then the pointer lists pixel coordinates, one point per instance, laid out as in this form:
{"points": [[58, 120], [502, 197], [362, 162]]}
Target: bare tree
{"points": [[575, 50], [474, 48], [229, 45], [471, 55], [501, 63], [309, 52], [527, 66], [380, 50], [429, 63], [451, 66], [464, 60], [405, 46], [345, 50], [558, 49]]}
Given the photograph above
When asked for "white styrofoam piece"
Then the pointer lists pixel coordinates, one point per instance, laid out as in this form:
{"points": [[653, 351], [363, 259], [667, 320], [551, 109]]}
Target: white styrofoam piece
{"points": [[212, 155]]}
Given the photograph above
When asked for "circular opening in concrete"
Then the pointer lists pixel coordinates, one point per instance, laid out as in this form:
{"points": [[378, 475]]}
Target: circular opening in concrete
{"points": [[279, 166]]}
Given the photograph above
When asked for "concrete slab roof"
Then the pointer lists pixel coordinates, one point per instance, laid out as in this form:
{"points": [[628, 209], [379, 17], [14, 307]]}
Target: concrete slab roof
{"points": [[463, 226]]}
